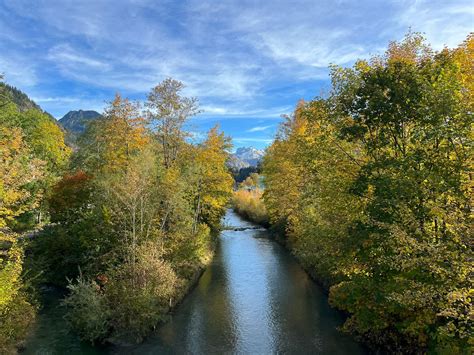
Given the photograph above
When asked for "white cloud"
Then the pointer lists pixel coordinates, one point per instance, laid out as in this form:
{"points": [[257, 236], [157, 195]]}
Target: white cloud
{"points": [[445, 23], [242, 59], [18, 72], [63, 99], [233, 111], [65, 55], [259, 128]]}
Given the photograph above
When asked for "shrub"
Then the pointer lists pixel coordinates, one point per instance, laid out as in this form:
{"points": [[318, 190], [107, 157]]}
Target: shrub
{"points": [[15, 319], [140, 293], [88, 311], [130, 300], [249, 204]]}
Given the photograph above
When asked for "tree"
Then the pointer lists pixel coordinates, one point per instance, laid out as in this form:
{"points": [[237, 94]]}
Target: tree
{"points": [[214, 181], [167, 112], [280, 167], [132, 199], [112, 140], [18, 171], [373, 189]]}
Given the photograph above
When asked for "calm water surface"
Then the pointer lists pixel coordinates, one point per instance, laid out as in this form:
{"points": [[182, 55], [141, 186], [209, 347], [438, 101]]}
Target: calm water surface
{"points": [[253, 299]]}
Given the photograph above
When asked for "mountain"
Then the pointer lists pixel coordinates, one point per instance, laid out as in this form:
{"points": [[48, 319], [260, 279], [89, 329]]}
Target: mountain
{"points": [[21, 100], [245, 157], [249, 155], [75, 121]]}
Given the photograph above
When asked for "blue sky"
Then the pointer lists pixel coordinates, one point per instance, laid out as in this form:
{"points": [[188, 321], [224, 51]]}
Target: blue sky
{"points": [[248, 62]]}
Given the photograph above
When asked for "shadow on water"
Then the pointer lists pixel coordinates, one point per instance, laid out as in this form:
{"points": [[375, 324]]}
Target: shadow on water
{"points": [[254, 298]]}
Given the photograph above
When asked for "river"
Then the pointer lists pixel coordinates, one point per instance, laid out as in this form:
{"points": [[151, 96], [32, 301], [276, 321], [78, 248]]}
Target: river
{"points": [[254, 298]]}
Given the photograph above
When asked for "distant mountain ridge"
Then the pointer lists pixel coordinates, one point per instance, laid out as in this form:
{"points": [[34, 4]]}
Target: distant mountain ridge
{"points": [[75, 122], [245, 157]]}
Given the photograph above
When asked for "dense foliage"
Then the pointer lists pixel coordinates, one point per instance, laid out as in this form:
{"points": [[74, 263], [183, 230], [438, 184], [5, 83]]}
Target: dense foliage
{"points": [[126, 222], [373, 187], [135, 215], [32, 154], [247, 200]]}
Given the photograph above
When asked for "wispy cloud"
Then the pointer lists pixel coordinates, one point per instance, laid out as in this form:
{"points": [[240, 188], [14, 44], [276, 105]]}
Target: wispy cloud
{"points": [[233, 112], [64, 99], [65, 55], [259, 128], [242, 59], [18, 71]]}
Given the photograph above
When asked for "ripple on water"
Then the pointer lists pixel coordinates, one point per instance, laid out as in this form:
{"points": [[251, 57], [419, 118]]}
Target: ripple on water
{"points": [[253, 299]]}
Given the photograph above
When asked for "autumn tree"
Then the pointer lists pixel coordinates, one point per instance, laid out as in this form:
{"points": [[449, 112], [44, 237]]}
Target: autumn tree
{"points": [[408, 112], [281, 170], [214, 181], [112, 140], [168, 110], [137, 211], [372, 187]]}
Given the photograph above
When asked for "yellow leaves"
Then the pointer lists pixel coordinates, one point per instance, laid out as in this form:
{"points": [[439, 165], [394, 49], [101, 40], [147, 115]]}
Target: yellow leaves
{"points": [[45, 139], [214, 182], [17, 169], [10, 269], [112, 141], [249, 203], [464, 56]]}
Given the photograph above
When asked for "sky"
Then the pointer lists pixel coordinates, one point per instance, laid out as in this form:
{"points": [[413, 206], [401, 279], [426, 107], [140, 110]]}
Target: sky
{"points": [[248, 62]]}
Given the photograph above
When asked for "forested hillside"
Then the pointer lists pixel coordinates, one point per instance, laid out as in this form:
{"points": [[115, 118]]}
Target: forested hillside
{"points": [[372, 186], [19, 98]]}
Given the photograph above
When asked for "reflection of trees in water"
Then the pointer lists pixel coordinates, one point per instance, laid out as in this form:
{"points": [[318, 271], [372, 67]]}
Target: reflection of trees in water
{"points": [[254, 297], [204, 322]]}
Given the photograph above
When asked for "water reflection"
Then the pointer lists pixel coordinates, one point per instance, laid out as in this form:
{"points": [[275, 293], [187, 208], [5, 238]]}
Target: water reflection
{"points": [[253, 299]]}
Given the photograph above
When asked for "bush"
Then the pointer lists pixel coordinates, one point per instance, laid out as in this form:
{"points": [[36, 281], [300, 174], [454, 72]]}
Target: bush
{"points": [[249, 204], [130, 300], [140, 293], [15, 319], [88, 311]]}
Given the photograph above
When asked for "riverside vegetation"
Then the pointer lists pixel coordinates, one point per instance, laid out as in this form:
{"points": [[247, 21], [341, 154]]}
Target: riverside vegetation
{"points": [[372, 187], [32, 158], [131, 215], [247, 200]]}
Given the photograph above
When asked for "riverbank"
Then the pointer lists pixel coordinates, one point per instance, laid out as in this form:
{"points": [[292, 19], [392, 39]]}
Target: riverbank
{"points": [[244, 291], [51, 328], [193, 280], [249, 205], [280, 238]]}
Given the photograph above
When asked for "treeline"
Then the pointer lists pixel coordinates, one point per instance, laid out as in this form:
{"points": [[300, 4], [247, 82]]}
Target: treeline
{"points": [[372, 186], [134, 216], [32, 158], [247, 200]]}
